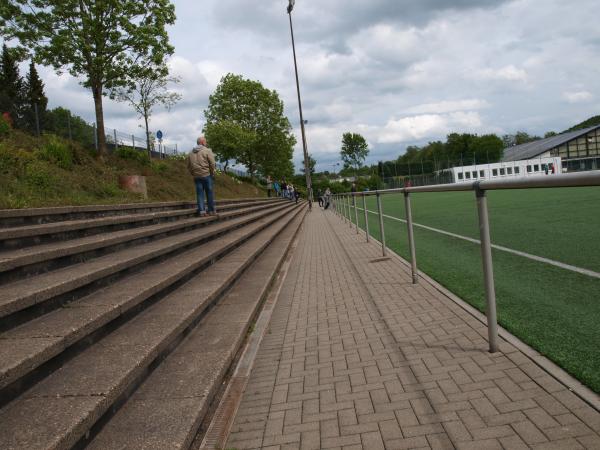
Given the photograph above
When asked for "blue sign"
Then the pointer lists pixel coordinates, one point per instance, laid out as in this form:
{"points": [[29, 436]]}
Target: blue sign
{"points": [[159, 135]]}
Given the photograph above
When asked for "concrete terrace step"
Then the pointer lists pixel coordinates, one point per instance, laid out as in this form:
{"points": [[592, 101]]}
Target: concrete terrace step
{"points": [[26, 347], [23, 294], [166, 411], [32, 216], [36, 259], [62, 408], [21, 236]]}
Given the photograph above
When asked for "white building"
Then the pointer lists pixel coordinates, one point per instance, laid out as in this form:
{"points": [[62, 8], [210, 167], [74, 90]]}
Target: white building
{"points": [[507, 169]]}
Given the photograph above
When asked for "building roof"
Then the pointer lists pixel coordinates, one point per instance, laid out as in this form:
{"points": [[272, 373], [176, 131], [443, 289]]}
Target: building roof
{"points": [[536, 148]]}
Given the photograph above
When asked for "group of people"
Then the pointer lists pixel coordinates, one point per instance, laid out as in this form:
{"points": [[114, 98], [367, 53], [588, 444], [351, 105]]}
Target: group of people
{"points": [[324, 198], [283, 189], [202, 166]]}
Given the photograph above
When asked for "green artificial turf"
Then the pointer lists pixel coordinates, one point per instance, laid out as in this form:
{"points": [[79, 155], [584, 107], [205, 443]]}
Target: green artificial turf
{"points": [[556, 311]]}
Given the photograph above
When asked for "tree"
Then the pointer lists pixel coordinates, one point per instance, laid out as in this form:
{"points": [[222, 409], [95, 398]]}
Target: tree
{"points": [[11, 86], [311, 165], [147, 91], [106, 42], [34, 99], [245, 122], [354, 150]]}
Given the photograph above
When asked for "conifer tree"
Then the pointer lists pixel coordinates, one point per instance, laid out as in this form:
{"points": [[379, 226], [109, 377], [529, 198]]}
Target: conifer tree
{"points": [[11, 87], [34, 95]]}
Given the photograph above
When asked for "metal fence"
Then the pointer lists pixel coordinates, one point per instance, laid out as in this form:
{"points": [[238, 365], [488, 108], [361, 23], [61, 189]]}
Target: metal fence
{"points": [[116, 139], [344, 203]]}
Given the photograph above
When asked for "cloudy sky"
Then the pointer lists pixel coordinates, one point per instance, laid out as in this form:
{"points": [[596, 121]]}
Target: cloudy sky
{"points": [[400, 72]]}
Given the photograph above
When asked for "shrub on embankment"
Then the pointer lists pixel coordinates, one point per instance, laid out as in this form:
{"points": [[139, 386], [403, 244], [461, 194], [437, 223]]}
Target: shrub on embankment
{"points": [[50, 171]]}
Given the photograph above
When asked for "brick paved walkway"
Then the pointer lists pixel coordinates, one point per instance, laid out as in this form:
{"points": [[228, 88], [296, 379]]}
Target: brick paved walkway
{"points": [[370, 361]]}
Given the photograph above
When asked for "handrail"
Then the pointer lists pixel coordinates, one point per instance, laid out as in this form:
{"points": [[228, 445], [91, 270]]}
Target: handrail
{"points": [[591, 178], [579, 179]]}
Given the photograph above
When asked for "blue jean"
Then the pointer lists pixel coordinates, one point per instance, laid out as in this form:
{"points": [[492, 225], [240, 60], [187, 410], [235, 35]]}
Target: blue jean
{"points": [[205, 184]]}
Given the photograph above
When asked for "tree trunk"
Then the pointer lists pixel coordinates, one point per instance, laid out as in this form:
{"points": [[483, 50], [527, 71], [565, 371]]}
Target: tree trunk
{"points": [[147, 135], [97, 91]]}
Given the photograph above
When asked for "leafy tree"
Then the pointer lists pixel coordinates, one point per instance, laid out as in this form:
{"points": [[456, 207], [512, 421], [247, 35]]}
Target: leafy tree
{"points": [[245, 122], [354, 150], [147, 91], [60, 120], [34, 95], [11, 86], [311, 165], [106, 42], [591, 122], [550, 134]]}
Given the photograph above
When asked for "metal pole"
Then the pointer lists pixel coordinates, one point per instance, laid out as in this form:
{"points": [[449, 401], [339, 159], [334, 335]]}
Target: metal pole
{"points": [[133, 140], [343, 201], [381, 229], [37, 119], [366, 216], [116, 143], [304, 146], [488, 270], [355, 212], [411, 239], [349, 211]]}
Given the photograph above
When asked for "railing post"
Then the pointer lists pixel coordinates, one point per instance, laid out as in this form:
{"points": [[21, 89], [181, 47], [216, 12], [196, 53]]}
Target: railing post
{"points": [[411, 238], [381, 230], [355, 212], [345, 208], [349, 211], [366, 216], [488, 269]]}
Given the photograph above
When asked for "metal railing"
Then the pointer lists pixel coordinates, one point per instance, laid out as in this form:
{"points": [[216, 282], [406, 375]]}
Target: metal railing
{"points": [[343, 204]]}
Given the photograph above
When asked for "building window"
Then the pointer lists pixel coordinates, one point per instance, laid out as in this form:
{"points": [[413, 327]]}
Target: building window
{"points": [[536, 168], [474, 173], [468, 175], [482, 174], [502, 172], [509, 170], [460, 176], [517, 170], [528, 169], [494, 172]]}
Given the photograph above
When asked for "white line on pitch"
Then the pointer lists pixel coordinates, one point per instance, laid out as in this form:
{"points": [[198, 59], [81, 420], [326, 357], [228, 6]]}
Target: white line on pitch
{"points": [[589, 273]]}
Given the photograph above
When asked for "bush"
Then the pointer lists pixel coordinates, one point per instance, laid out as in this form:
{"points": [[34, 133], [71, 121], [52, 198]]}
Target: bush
{"points": [[57, 152], [13, 162], [159, 167], [133, 155], [4, 127], [39, 175]]}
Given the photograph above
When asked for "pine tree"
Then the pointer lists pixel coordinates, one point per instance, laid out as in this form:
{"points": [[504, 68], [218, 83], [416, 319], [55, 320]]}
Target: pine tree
{"points": [[11, 87], [34, 95]]}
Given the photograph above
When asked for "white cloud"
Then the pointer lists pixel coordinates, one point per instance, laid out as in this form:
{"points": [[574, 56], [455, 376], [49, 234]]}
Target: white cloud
{"points": [[447, 106], [416, 128], [578, 96], [506, 73]]}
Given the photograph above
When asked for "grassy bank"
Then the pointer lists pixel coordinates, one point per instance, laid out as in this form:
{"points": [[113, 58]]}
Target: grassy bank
{"points": [[554, 310], [53, 172]]}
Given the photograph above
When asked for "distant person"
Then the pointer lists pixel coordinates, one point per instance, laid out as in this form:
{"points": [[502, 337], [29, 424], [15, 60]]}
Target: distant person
{"points": [[296, 195], [269, 186], [201, 164], [327, 198], [276, 188], [320, 197], [284, 188]]}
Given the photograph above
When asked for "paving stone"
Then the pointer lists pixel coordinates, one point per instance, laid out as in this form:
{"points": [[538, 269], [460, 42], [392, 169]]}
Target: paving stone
{"points": [[401, 366]]}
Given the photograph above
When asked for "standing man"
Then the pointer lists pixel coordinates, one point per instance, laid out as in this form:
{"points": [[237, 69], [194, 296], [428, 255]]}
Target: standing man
{"points": [[269, 186], [201, 164]]}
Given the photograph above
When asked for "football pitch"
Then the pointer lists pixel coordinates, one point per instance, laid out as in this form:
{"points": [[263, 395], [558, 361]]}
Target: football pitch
{"points": [[549, 305]]}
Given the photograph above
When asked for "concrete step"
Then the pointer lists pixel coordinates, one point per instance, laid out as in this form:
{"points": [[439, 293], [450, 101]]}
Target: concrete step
{"points": [[166, 411], [36, 216], [32, 344], [23, 236], [60, 410], [72, 282], [15, 264]]}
